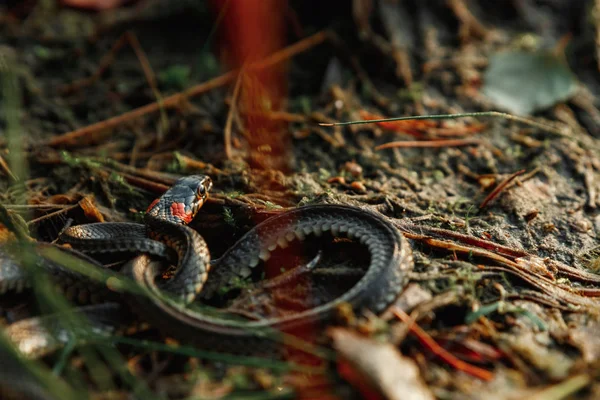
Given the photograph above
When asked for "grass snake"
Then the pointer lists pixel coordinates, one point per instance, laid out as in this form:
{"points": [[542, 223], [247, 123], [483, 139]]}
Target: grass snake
{"points": [[166, 304]]}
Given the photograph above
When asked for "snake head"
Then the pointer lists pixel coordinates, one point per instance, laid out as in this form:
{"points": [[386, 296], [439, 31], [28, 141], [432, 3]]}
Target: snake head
{"points": [[204, 186], [182, 201]]}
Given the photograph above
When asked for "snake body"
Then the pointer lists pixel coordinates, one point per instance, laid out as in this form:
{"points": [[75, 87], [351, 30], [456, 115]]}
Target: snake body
{"points": [[166, 304]]}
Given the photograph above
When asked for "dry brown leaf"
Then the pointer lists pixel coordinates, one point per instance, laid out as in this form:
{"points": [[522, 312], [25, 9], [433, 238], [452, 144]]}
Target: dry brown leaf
{"points": [[90, 210], [378, 367]]}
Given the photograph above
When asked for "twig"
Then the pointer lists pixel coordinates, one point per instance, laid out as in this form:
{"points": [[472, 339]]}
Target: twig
{"points": [[6, 169], [332, 140], [545, 127], [425, 232], [546, 283], [190, 163], [35, 206], [150, 77], [52, 214], [230, 114], [439, 351], [469, 24], [564, 389], [146, 184], [429, 143], [588, 179], [105, 61], [176, 99], [501, 186], [155, 176], [277, 116]]}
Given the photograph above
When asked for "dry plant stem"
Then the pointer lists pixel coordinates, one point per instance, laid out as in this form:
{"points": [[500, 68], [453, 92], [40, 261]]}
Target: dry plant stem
{"points": [[468, 21], [361, 74], [426, 232], [129, 156], [52, 214], [501, 186], [596, 14], [141, 55], [429, 143], [278, 116], [146, 184], [423, 232], [558, 293], [232, 111], [455, 131], [280, 199], [439, 351], [575, 273], [328, 138], [135, 148], [528, 175], [545, 284], [588, 292], [69, 138], [227, 201], [590, 185], [150, 77], [190, 163], [149, 174], [539, 298], [399, 331], [473, 251], [564, 389], [6, 169], [35, 206], [159, 180], [105, 62], [530, 122]]}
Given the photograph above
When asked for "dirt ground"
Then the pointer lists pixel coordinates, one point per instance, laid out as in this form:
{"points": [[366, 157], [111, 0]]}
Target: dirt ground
{"points": [[101, 111]]}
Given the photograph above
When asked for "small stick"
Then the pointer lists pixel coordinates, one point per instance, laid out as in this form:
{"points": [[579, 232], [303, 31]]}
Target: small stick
{"points": [[151, 186], [439, 351], [52, 214], [154, 176], [545, 127], [6, 168], [564, 389], [150, 77], [277, 116], [34, 206], [234, 98], [429, 143], [105, 61], [501, 186]]}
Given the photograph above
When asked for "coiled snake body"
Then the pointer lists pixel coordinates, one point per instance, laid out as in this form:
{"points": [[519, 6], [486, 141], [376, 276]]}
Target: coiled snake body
{"points": [[165, 304]]}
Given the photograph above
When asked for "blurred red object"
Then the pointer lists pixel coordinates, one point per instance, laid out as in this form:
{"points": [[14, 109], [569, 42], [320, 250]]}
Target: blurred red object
{"points": [[251, 30]]}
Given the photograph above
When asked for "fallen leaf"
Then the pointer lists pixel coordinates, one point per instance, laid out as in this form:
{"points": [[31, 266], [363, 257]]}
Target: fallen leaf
{"points": [[523, 82], [377, 368]]}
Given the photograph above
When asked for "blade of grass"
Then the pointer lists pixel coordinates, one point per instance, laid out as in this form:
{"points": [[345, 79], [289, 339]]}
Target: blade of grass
{"points": [[189, 351], [50, 300], [124, 284], [31, 379], [494, 114], [63, 358]]}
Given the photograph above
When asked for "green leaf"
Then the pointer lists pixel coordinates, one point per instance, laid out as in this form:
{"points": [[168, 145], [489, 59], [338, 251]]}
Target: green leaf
{"points": [[522, 82], [175, 76]]}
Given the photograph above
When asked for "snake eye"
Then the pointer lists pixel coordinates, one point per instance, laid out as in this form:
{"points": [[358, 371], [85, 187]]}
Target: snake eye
{"points": [[204, 187]]}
